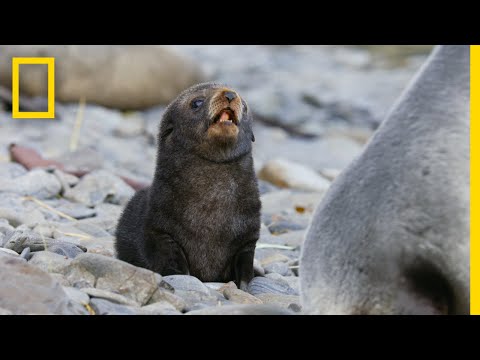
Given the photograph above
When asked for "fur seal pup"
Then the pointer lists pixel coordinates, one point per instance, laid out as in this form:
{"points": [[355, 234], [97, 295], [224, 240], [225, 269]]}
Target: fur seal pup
{"points": [[391, 236], [201, 214]]}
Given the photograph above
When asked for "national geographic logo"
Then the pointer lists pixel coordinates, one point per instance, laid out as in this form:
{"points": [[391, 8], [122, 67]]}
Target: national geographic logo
{"points": [[16, 113]]}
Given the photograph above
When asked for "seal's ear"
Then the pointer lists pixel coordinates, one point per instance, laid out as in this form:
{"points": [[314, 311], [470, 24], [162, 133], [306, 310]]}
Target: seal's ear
{"points": [[253, 137]]}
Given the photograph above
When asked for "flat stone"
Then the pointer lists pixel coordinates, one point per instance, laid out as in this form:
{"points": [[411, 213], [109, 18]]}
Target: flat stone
{"points": [[11, 170], [105, 307], [100, 186], [23, 238], [214, 285], [77, 295], [105, 273], [110, 296], [159, 308], [273, 259], [284, 226], [26, 289], [242, 310], [162, 295], [37, 183], [195, 300], [9, 252], [264, 285], [50, 262], [290, 201], [186, 283], [288, 174], [279, 268], [292, 281], [240, 297], [291, 238], [77, 211], [286, 301]]}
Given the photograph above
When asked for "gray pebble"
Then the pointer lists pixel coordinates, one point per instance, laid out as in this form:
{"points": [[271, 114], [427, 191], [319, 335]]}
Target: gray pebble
{"points": [[106, 273], [105, 307], [26, 254], [38, 183], [159, 308], [264, 285], [284, 226], [186, 283], [110, 296], [242, 310], [50, 262], [11, 170], [279, 268], [76, 295], [100, 186]]}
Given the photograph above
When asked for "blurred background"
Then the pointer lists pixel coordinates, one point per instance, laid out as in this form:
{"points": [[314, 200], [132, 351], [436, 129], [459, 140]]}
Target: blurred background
{"points": [[313, 105]]}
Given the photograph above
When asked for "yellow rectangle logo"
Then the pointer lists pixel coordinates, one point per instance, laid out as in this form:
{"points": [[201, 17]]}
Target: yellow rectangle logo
{"points": [[16, 113]]}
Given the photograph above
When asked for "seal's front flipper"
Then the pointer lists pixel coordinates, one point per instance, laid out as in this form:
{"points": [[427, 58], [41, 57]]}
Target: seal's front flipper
{"points": [[243, 268], [165, 256]]}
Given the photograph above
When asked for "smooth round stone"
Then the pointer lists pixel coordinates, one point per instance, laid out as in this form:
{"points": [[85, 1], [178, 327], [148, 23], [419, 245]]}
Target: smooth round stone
{"points": [[9, 252], [279, 268], [186, 283], [263, 285]]}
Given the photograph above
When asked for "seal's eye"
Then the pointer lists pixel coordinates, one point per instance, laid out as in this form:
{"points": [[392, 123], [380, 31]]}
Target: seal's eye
{"points": [[197, 103]]}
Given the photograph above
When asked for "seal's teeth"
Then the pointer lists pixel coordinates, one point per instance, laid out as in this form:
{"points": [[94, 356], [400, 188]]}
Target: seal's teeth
{"points": [[225, 116]]}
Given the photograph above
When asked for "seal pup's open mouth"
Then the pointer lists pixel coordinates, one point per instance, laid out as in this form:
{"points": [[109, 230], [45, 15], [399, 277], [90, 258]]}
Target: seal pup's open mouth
{"points": [[225, 117]]}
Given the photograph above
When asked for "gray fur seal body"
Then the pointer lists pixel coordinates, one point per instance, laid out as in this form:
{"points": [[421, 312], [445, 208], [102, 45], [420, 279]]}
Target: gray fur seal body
{"points": [[392, 234]]}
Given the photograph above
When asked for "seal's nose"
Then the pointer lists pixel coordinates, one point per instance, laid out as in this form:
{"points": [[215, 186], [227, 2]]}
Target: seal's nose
{"points": [[230, 95]]}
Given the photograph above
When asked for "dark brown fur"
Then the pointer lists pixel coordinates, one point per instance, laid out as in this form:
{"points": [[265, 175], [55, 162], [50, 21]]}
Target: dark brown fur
{"points": [[201, 215]]}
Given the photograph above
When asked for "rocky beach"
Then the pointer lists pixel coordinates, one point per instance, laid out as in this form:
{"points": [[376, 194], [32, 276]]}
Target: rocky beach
{"points": [[315, 109]]}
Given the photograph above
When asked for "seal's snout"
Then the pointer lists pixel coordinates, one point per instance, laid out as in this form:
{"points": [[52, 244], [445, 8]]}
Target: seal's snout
{"points": [[225, 108], [230, 95]]}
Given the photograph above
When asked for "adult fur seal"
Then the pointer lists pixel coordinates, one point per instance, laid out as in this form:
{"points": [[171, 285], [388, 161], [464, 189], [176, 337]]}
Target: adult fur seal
{"points": [[201, 215], [391, 235]]}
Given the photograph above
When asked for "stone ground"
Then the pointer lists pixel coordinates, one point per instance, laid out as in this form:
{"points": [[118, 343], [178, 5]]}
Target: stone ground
{"points": [[316, 106]]}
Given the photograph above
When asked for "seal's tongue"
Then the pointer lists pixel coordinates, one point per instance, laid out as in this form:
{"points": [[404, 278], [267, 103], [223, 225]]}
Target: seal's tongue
{"points": [[225, 116]]}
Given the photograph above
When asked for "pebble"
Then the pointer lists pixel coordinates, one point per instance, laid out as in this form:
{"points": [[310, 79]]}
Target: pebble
{"points": [[77, 295], [26, 289], [20, 239], [287, 301], [186, 283], [240, 297], [264, 285], [11, 170], [280, 268], [105, 273], [105, 307], [37, 183], [110, 296], [99, 186], [8, 251], [162, 295], [51, 262], [159, 308], [288, 174], [242, 310]]}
